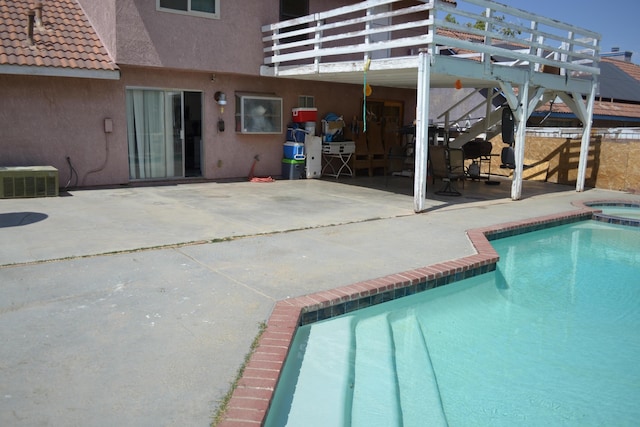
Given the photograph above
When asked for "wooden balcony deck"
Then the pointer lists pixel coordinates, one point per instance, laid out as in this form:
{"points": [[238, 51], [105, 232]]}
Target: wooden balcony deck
{"points": [[336, 44]]}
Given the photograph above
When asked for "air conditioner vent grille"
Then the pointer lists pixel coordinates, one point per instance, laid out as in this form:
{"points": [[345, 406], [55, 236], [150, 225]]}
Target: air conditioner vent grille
{"points": [[32, 181]]}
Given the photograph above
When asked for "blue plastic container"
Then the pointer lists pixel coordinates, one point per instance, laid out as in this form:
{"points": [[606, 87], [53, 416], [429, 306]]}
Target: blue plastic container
{"points": [[293, 150], [295, 133]]}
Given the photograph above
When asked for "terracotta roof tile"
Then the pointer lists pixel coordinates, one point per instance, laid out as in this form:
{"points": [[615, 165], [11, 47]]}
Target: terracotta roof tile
{"points": [[600, 108], [65, 38]]}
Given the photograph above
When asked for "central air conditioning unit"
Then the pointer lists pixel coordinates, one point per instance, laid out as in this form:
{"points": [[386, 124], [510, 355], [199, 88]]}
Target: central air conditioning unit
{"points": [[28, 181]]}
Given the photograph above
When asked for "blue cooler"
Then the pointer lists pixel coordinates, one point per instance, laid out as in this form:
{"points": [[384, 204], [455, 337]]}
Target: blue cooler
{"points": [[293, 150]]}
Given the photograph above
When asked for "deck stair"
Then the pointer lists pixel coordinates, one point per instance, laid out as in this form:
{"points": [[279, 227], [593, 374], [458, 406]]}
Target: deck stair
{"points": [[489, 124]]}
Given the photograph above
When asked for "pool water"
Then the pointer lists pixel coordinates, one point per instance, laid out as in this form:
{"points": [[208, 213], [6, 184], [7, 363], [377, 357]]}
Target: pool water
{"points": [[630, 212], [551, 337]]}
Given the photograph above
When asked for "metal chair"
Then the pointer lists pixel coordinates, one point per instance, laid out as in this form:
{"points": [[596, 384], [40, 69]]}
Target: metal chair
{"points": [[448, 165]]}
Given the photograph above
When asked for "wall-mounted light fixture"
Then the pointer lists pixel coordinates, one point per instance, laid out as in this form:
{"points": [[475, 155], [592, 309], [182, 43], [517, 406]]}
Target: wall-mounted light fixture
{"points": [[221, 99]]}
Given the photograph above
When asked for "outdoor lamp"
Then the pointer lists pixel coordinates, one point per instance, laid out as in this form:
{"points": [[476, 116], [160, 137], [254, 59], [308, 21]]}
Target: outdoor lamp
{"points": [[221, 99]]}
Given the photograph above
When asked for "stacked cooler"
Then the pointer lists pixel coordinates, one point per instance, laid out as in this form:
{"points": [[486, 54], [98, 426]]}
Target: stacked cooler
{"points": [[293, 155], [300, 146]]}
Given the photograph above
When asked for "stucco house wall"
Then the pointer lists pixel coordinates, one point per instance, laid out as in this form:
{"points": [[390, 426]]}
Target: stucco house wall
{"points": [[102, 14], [60, 121], [230, 154], [231, 44], [44, 120], [47, 119]]}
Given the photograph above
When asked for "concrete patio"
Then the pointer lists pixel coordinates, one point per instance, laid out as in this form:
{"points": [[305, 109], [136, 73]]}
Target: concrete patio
{"points": [[137, 305]]}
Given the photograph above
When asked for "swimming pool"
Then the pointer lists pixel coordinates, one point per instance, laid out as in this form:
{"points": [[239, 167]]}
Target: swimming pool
{"points": [[550, 337]]}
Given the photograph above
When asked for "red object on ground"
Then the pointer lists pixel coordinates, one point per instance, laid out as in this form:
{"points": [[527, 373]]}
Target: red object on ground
{"points": [[253, 178]]}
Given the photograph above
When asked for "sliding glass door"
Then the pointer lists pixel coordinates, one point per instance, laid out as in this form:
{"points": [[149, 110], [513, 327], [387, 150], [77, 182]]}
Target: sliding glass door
{"points": [[155, 134]]}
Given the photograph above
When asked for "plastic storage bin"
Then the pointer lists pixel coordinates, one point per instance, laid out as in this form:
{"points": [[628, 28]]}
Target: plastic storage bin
{"points": [[292, 169], [305, 115], [293, 150]]}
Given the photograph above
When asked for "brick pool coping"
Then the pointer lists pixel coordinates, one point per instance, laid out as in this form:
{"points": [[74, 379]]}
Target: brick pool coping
{"points": [[252, 396]]}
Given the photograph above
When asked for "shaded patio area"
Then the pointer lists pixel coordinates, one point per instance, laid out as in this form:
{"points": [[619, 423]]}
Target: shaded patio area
{"points": [[473, 191]]}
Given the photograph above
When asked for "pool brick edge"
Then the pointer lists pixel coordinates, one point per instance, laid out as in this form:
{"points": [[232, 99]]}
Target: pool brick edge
{"points": [[250, 400]]}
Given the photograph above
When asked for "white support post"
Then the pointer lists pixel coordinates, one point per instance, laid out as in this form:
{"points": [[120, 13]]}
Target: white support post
{"points": [[367, 37], [422, 132], [520, 116], [488, 110], [488, 41], [533, 50], [276, 51], [317, 45], [586, 138]]}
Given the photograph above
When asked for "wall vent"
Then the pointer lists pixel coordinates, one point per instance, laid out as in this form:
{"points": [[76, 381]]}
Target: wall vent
{"points": [[28, 181]]}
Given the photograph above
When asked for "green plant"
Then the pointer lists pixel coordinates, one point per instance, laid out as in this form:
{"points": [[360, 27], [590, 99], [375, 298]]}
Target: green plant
{"points": [[219, 414]]}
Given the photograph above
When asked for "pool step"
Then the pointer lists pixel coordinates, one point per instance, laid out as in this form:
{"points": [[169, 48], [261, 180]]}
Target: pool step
{"points": [[318, 400], [375, 390], [419, 394]]}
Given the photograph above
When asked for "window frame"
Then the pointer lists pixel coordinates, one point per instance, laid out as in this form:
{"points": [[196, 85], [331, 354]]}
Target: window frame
{"points": [[306, 101], [215, 15]]}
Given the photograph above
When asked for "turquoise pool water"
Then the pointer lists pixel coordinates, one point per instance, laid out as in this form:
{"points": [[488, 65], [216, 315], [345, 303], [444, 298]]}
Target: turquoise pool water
{"points": [[552, 337], [621, 211]]}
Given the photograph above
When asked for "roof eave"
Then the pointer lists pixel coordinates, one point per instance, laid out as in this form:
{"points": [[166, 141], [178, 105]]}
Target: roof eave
{"points": [[562, 115], [31, 70]]}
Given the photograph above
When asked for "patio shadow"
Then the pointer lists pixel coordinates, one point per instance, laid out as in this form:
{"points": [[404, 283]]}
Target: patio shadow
{"points": [[16, 219]]}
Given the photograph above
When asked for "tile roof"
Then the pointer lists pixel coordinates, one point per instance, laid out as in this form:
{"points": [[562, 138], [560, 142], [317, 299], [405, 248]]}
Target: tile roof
{"points": [[63, 44], [631, 69], [600, 108], [619, 80]]}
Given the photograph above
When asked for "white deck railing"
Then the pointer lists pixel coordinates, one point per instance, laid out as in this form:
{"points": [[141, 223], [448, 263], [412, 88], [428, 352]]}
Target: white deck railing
{"points": [[479, 30]]}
